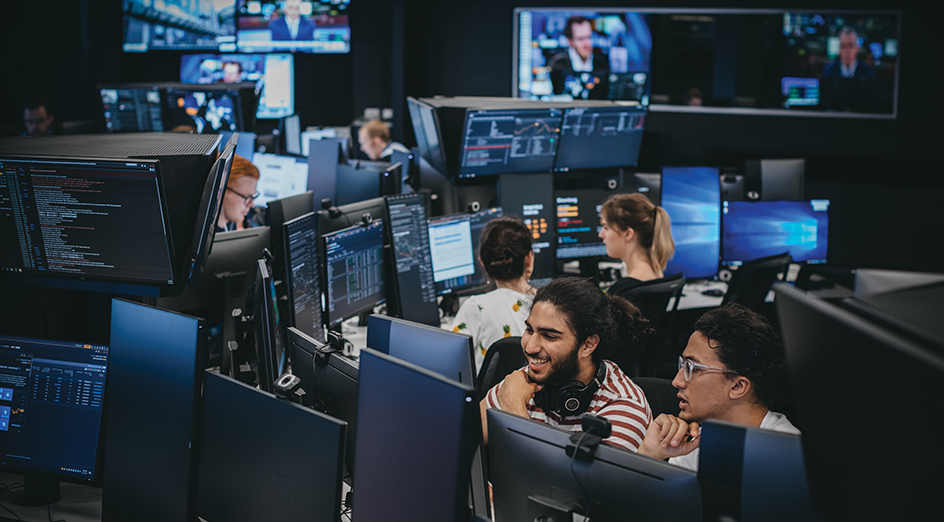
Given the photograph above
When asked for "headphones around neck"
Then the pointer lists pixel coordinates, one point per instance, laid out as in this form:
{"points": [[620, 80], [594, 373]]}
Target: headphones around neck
{"points": [[570, 399]]}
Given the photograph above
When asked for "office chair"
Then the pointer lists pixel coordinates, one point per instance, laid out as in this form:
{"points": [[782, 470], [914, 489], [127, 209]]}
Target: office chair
{"points": [[751, 283], [503, 357], [661, 395], [652, 298]]}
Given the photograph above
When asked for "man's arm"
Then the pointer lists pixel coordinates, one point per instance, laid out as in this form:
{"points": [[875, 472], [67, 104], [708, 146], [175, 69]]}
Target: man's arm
{"points": [[511, 395], [668, 436]]}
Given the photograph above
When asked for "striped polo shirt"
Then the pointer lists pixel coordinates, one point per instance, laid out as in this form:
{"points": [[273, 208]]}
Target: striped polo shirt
{"points": [[618, 399]]}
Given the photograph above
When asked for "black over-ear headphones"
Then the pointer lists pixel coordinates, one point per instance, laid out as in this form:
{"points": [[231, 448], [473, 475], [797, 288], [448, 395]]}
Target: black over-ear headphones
{"points": [[570, 398]]}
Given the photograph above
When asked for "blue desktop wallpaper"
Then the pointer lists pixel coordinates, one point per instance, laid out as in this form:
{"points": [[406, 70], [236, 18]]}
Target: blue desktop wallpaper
{"points": [[692, 197], [766, 228]]}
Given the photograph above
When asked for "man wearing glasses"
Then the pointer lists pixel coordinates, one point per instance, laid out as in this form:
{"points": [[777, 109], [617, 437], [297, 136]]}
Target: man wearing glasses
{"points": [[732, 369]]}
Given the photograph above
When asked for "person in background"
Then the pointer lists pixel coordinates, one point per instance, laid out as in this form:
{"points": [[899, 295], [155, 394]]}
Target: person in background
{"points": [[239, 196], [694, 97], [580, 72], [374, 139], [733, 369], [38, 118], [291, 26], [232, 72], [638, 233], [505, 252], [572, 328]]}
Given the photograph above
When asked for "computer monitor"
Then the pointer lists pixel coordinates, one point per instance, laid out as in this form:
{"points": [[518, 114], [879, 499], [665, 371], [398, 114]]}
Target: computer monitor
{"points": [[692, 198], [89, 221], [208, 212], [578, 223], [531, 197], [412, 292], [599, 137], [132, 108], [528, 459], [277, 213], [417, 433], [279, 176], [359, 181], [344, 216], [303, 275], [897, 336], [330, 384], [354, 271], [271, 356], [273, 74], [245, 147], [258, 452], [454, 247], [154, 379], [752, 230], [204, 108], [51, 410], [752, 475], [428, 134], [322, 27], [449, 354], [509, 141]]}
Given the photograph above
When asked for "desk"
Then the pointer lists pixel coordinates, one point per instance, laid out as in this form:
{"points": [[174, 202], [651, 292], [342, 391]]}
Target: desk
{"points": [[692, 296], [79, 503]]}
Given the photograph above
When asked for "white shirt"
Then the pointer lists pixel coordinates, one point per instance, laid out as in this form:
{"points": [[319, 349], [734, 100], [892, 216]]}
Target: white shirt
{"points": [[578, 63], [773, 421], [292, 24], [848, 71]]}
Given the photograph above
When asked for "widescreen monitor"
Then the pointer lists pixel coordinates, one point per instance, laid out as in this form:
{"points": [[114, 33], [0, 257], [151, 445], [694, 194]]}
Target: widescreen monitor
{"points": [[303, 275], [692, 198], [578, 223], [132, 108], [616, 44], [454, 246], [51, 400], [615, 483], [178, 26], [354, 270], [205, 109], [86, 220], [286, 455], [317, 26], [412, 293], [509, 141], [273, 74], [279, 176], [598, 137], [531, 197], [752, 230], [271, 355], [151, 421], [399, 460]]}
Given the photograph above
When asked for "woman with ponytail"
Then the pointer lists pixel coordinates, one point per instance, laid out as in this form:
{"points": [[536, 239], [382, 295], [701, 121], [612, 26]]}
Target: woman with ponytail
{"points": [[640, 234], [505, 252]]}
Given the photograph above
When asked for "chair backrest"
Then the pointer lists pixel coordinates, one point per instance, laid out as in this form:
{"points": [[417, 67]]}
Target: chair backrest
{"points": [[751, 283], [503, 357], [661, 395], [652, 298]]}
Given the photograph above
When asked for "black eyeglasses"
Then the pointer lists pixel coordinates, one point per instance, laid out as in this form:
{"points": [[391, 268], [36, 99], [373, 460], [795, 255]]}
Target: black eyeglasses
{"points": [[247, 199]]}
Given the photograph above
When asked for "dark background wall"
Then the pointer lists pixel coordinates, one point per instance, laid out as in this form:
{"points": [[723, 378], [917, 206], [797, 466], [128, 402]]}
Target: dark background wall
{"points": [[884, 176]]}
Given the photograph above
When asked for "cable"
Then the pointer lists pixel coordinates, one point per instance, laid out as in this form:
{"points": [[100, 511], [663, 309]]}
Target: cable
{"points": [[584, 490], [11, 512]]}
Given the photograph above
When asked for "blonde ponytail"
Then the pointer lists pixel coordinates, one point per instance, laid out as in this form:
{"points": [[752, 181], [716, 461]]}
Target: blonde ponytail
{"points": [[663, 246]]}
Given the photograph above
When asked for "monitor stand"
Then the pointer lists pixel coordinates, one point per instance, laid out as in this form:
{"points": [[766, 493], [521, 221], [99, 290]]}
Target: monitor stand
{"points": [[39, 489]]}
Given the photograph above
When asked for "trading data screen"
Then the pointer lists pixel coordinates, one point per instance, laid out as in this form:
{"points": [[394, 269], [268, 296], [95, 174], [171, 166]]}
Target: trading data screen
{"points": [[132, 109], [304, 274], [600, 137], [355, 270], [509, 141], [578, 223], [409, 236], [692, 198], [84, 218], [51, 396], [751, 230]]}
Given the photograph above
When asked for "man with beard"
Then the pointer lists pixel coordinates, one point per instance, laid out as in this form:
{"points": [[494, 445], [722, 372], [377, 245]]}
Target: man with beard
{"points": [[732, 369], [571, 327]]}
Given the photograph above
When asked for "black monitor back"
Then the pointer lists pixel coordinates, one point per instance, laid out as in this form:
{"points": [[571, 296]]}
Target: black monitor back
{"points": [[151, 420], [836, 347], [358, 181], [260, 455], [528, 458]]}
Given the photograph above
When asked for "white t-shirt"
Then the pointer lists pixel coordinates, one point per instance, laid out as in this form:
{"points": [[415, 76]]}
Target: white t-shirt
{"points": [[490, 317], [773, 421]]}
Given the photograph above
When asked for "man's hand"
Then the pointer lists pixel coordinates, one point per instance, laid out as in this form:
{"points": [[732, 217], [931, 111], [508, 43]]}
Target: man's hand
{"points": [[516, 391], [668, 436]]}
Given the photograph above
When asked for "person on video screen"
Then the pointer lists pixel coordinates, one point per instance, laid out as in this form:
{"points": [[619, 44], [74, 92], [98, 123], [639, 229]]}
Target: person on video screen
{"points": [[582, 71], [291, 26], [848, 82], [232, 72]]}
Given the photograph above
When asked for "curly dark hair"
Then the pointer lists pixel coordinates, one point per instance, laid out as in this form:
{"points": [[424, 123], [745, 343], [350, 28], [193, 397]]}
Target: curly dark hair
{"points": [[620, 325], [506, 241], [747, 345]]}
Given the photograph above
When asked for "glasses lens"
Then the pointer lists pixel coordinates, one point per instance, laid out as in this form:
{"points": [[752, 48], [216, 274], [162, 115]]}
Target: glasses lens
{"points": [[686, 369]]}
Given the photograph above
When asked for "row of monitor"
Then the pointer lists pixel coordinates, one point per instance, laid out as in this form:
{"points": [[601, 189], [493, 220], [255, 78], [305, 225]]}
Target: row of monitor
{"points": [[707, 230]]}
